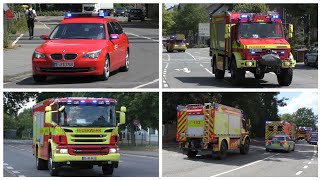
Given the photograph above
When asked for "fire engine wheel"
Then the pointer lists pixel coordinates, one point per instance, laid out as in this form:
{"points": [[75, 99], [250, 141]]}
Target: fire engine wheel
{"points": [[237, 75], [218, 74], [285, 77], [40, 163], [244, 149], [192, 154], [107, 169], [53, 169], [268, 150], [293, 147], [106, 70], [222, 154], [39, 78], [125, 68], [259, 76]]}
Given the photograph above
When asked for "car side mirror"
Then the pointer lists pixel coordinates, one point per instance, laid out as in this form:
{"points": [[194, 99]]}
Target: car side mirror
{"points": [[44, 37]]}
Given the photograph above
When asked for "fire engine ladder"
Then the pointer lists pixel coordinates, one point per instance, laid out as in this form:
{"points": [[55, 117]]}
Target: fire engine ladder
{"points": [[206, 132]]}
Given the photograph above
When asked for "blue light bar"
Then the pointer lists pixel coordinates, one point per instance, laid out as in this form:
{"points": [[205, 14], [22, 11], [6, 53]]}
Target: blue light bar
{"points": [[103, 14], [107, 102], [67, 15], [275, 16], [101, 102], [244, 16], [69, 102], [94, 102], [282, 52], [82, 102], [253, 52]]}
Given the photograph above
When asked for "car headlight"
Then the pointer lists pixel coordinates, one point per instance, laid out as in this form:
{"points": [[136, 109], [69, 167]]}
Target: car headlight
{"points": [[92, 55], [38, 55]]}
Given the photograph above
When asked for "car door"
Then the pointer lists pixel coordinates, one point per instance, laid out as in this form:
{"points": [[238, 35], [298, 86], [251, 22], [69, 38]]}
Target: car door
{"points": [[122, 43], [290, 142], [114, 49]]}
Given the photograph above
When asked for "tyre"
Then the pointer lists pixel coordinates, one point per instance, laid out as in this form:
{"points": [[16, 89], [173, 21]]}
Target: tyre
{"points": [[39, 78], [129, 20], [125, 68], [192, 154], [218, 74], [285, 77], [268, 150], [237, 75], [40, 163], [258, 76], [222, 154], [306, 62], [106, 70], [244, 149], [53, 169], [107, 169], [293, 147], [288, 150]]}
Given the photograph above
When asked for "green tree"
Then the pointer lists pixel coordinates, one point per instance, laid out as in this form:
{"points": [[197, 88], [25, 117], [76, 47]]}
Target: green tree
{"points": [[287, 117], [250, 8], [305, 117], [167, 21], [24, 125]]}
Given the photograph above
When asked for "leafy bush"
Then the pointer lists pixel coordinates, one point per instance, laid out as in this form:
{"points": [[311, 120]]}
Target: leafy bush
{"points": [[6, 40]]}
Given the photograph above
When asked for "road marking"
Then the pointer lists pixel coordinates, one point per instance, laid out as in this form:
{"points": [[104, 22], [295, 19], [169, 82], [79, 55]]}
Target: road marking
{"points": [[208, 71], [192, 56], [201, 65], [309, 162], [9, 167], [143, 37], [133, 155], [186, 70], [5, 164], [243, 166], [164, 73], [44, 24], [146, 84], [298, 173], [16, 172], [15, 41], [305, 167], [21, 176], [312, 159]]}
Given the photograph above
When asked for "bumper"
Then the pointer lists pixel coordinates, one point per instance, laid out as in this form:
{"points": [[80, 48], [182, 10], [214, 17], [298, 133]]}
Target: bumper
{"points": [[254, 64], [71, 158], [179, 48], [277, 147], [81, 67]]}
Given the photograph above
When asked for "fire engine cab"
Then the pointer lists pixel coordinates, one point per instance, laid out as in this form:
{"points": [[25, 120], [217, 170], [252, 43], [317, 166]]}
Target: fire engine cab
{"points": [[77, 132]]}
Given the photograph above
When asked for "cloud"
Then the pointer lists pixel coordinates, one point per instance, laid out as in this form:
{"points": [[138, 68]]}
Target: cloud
{"points": [[304, 99]]}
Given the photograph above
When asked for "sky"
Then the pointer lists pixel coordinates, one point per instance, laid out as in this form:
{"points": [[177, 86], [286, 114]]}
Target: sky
{"points": [[296, 100], [168, 5]]}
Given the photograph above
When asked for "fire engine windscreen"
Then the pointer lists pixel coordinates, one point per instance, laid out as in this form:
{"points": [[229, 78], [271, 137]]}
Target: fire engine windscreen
{"points": [[261, 30], [88, 116], [79, 31]]}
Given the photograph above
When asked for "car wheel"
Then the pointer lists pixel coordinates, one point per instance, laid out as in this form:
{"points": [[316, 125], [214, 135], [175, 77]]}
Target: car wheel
{"points": [[39, 78], [52, 166], [106, 70], [129, 20], [268, 150], [218, 74], [293, 147], [107, 169], [258, 76], [285, 77], [287, 151], [40, 163], [126, 65], [244, 149]]}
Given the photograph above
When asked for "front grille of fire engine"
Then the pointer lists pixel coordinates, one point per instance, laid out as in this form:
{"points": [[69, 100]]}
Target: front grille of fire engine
{"points": [[70, 56], [88, 138], [264, 51], [89, 150], [56, 56], [66, 70]]}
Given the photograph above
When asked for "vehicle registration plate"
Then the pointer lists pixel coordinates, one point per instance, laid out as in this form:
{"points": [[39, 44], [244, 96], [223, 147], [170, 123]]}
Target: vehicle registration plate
{"points": [[63, 64], [88, 158]]}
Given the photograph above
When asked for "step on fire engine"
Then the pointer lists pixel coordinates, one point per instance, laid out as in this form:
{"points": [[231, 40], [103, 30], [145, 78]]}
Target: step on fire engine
{"points": [[76, 132], [280, 127], [241, 42], [212, 127]]}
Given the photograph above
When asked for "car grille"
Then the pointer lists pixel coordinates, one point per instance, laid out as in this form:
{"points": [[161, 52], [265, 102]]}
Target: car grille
{"points": [[87, 138], [70, 56], [56, 56], [65, 70], [66, 56], [88, 150]]}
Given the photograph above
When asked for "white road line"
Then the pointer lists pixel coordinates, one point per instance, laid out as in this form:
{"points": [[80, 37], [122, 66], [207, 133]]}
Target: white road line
{"points": [[201, 65], [9, 167], [312, 159], [309, 162], [169, 58], [243, 166], [21, 176], [16, 172], [167, 66], [152, 157], [305, 167], [192, 56], [146, 84], [298, 173], [5, 164], [143, 37], [15, 41], [44, 24], [165, 85], [208, 71]]}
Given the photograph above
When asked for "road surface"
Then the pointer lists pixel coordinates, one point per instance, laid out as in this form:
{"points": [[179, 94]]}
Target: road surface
{"points": [[144, 59], [192, 69], [18, 160], [303, 162]]}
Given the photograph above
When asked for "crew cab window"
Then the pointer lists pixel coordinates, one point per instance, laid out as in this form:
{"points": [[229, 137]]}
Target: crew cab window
{"points": [[110, 29], [117, 28]]}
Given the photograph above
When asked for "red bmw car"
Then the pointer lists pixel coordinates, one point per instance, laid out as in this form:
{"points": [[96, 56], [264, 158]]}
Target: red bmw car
{"points": [[82, 44]]}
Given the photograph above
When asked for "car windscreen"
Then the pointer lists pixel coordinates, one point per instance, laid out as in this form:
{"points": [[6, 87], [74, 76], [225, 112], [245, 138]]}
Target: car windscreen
{"points": [[88, 116], [136, 11], [314, 50], [261, 30], [79, 31]]}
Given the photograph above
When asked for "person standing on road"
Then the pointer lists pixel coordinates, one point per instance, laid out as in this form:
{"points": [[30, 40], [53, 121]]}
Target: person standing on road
{"points": [[30, 16]]}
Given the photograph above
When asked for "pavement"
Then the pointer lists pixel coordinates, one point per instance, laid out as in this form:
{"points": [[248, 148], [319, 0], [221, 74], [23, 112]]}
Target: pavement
{"points": [[303, 162], [192, 69], [18, 155], [144, 59]]}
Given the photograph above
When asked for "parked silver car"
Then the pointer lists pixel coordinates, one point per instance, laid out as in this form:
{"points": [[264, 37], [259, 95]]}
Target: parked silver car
{"points": [[311, 58], [281, 142]]}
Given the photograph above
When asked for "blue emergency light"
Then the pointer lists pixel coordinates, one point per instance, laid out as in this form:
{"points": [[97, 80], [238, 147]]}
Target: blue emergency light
{"points": [[67, 15], [69, 102], [94, 102], [275, 16], [282, 52], [244, 16], [94, 14], [253, 52], [82, 102]]}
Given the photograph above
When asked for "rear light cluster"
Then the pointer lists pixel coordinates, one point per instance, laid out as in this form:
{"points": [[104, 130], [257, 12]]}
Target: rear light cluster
{"points": [[268, 142], [177, 137], [283, 142]]}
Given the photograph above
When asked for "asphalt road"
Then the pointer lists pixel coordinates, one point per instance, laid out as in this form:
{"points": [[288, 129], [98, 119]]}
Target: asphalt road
{"points": [[144, 59], [192, 69], [19, 161], [303, 162]]}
